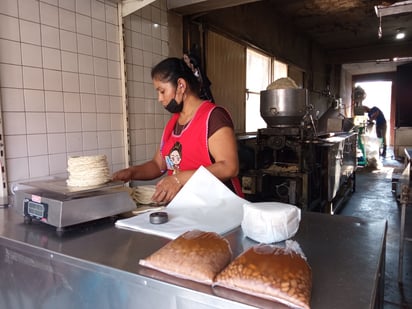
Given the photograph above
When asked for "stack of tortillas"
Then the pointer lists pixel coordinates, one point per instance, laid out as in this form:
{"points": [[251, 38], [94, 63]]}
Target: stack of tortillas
{"points": [[87, 171], [143, 194]]}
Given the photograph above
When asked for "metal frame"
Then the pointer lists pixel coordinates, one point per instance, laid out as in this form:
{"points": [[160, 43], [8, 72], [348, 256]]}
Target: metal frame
{"points": [[405, 200]]}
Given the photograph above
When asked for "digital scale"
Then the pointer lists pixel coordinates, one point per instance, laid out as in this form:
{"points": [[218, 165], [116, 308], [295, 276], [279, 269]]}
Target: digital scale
{"points": [[55, 203]]}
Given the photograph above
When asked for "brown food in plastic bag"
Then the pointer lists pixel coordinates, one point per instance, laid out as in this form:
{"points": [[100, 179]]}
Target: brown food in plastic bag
{"points": [[194, 255], [270, 272]]}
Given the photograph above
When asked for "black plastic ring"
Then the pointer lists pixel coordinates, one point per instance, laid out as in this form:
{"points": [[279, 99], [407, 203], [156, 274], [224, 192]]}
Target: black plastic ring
{"points": [[158, 217]]}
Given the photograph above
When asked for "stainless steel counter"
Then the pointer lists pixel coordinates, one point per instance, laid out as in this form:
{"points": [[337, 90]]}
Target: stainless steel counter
{"points": [[97, 267]]}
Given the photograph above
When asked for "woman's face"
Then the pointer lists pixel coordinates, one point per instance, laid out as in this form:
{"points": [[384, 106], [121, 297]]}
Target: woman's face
{"points": [[165, 91]]}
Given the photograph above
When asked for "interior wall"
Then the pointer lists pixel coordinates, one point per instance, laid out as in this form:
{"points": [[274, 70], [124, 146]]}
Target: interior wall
{"points": [[226, 68], [279, 41], [279, 38], [147, 33], [346, 92], [59, 84]]}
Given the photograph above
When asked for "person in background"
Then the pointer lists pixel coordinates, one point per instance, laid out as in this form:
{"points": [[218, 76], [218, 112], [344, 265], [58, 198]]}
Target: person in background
{"points": [[375, 114], [200, 132]]}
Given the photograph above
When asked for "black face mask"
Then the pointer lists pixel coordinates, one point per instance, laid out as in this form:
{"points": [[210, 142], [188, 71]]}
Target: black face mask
{"points": [[174, 107]]}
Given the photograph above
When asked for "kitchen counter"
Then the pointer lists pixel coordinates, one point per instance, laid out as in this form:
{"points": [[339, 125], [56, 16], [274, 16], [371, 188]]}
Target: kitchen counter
{"points": [[97, 267]]}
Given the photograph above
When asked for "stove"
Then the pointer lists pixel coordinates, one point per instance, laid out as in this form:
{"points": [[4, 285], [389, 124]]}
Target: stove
{"points": [[289, 156]]}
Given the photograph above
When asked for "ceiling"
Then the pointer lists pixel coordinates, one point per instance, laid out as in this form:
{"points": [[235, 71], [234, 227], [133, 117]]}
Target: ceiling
{"points": [[346, 29]]}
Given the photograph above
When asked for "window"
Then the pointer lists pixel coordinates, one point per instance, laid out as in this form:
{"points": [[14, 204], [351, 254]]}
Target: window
{"points": [[280, 70], [261, 70]]}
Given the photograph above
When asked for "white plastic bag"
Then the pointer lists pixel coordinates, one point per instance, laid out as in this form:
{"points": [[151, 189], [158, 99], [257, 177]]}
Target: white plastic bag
{"points": [[269, 222]]}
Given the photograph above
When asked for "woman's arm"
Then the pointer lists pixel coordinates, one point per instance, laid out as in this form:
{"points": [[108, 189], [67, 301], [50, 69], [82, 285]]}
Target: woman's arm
{"points": [[223, 148], [146, 171]]}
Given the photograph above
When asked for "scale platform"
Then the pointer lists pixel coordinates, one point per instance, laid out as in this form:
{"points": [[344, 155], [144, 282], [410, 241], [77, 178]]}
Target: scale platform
{"points": [[54, 203]]}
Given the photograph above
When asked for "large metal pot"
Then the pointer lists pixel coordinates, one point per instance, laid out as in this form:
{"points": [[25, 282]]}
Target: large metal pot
{"points": [[283, 107]]}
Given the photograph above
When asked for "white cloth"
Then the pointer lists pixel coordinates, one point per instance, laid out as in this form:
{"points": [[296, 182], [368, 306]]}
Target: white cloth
{"points": [[204, 203]]}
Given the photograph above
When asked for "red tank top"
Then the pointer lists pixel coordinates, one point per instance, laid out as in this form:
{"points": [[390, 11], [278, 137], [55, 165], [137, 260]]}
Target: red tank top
{"points": [[189, 149]]}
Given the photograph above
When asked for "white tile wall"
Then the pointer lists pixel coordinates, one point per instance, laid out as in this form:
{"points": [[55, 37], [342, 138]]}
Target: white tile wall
{"points": [[73, 122], [60, 83], [104, 139], [51, 58], [50, 36], [88, 102], [29, 32], [83, 7], [70, 82], [102, 104], [143, 50], [89, 122], [37, 144], [68, 4], [74, 142], [16, 146], [9, 7], [53, 101], [34, 100], [57, 164], [55, 122], [35, 123], [67, 20], [84, 44], [49, 15], [71, 102], [38, 166], [32, 78], [52, 80], [56, 143], [11, 76], [90, 140], [68, 40], [17, 169], [69, 61], [10, 52], [14, 123], [9, 28], [12, 99]]}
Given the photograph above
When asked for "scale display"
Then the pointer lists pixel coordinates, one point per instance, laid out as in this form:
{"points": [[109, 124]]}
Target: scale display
{"points": [[35, 209]]}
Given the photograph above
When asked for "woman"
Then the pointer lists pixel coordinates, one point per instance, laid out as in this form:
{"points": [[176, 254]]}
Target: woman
{"points": [[199, 133]]}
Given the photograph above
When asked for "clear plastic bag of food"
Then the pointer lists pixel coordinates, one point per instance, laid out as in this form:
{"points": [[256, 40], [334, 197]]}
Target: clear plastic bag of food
{"points": [[194, 255], [276, 273]]}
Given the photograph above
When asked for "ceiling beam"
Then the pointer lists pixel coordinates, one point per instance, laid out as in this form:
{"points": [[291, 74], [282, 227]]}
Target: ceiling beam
{"points": [[190, 7], [396, 8], [130, 6], [370, 53]]}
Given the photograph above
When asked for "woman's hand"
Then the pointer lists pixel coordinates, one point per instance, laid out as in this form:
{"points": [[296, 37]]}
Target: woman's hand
{"points": [[166, 189], [123, 175]]}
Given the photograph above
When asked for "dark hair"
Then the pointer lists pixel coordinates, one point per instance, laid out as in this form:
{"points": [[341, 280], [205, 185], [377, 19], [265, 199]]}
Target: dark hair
{"points": [[205, 93], [170, 70]]}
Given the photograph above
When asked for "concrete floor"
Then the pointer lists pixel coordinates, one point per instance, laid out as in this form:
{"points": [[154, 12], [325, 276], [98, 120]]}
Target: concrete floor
{"points": [[373, 199]]}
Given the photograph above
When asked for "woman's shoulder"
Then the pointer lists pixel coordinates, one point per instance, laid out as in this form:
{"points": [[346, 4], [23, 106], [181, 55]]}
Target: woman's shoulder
{"points": [[220, 112], [219, 118]]}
